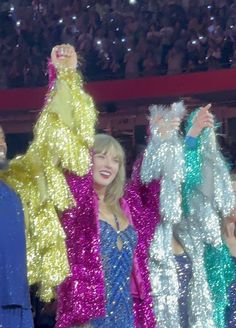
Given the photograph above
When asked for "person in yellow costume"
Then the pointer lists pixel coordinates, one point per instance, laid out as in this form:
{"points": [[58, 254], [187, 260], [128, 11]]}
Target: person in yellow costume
{"points": [[34, 188]]}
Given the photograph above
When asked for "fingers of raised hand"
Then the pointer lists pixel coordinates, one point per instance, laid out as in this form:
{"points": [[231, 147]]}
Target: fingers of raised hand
{"points": [[204, 111], [205, 119], [205, 108], [64, 51], [208, 120], [158, 119], [176, 122], [64, 56]]}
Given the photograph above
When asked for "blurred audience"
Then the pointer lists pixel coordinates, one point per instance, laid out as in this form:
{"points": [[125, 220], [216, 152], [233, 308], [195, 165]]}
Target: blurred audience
{"points": [[116, 39]]}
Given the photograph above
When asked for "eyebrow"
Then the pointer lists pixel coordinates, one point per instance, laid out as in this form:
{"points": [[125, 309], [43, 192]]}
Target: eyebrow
{"points": [[104, 152]]}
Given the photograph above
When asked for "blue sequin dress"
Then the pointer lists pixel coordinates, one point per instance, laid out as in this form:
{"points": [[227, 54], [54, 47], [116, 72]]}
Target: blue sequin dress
{"points": [[117, 266]]}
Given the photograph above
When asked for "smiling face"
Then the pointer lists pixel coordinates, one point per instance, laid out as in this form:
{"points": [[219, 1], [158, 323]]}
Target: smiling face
{"points": [[108, 169], [105, 167]]}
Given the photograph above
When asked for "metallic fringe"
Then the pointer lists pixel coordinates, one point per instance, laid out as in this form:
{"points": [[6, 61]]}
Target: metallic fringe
{"points": [[63, 135], [164, 159], [207, 196]]}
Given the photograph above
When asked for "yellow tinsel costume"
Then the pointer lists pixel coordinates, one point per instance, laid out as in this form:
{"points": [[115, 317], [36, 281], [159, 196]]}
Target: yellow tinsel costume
{"points": [[63, 135]]}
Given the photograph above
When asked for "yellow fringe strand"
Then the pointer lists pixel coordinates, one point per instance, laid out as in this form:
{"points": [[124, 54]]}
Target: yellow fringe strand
{"points": [[63, 136]]}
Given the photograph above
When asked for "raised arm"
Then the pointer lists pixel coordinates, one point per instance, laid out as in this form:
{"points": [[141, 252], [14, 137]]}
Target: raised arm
{"points": [[207, 198], [63, 135]]}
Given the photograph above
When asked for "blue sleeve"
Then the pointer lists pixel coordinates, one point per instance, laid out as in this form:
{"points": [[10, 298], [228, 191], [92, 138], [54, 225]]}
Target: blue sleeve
{"points": [[190, 142]]}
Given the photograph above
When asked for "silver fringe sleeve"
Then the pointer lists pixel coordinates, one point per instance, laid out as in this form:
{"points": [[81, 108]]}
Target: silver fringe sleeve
{"points": [[164, 159]]}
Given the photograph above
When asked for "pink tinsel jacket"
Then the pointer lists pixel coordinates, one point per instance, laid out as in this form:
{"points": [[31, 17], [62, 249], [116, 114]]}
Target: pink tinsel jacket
{"points": [[143, 202], [81, 297]]}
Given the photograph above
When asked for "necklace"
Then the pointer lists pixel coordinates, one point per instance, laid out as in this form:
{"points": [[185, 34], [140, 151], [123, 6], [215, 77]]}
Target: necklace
{"points": [[117, 224], [104, 215]]}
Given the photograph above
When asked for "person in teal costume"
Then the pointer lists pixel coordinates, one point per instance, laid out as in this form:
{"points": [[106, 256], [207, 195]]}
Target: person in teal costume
{"points": [[206, 167]]}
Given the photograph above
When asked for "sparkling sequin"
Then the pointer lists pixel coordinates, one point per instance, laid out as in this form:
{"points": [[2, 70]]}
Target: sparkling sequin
{"points": [[81, 297], [62, 137], [208, 196], [117, 265], [184, 272], [220, 273], [231, 309], [143, 202], [164, 160], [199, 225]]}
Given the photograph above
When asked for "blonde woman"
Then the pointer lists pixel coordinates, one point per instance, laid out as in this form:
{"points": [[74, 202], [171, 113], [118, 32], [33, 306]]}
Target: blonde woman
{"points": [[104, 280], [109, 285], [101, 241]]}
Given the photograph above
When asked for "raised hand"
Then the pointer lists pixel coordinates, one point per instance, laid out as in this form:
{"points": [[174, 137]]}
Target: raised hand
{"points": [[229, 236], [204, 119], [166, 127], [64, 56]]}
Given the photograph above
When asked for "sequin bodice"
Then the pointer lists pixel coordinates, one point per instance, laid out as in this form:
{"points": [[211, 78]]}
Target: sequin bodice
{"points": [[184, 270], [117, 266]]}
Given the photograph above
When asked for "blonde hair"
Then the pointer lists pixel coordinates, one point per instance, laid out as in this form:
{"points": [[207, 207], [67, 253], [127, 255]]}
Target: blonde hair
{"points": [[105, 142]]}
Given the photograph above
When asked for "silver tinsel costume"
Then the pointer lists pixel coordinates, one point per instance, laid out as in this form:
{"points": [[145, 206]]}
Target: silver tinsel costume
{"points": [[195, 193]]}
